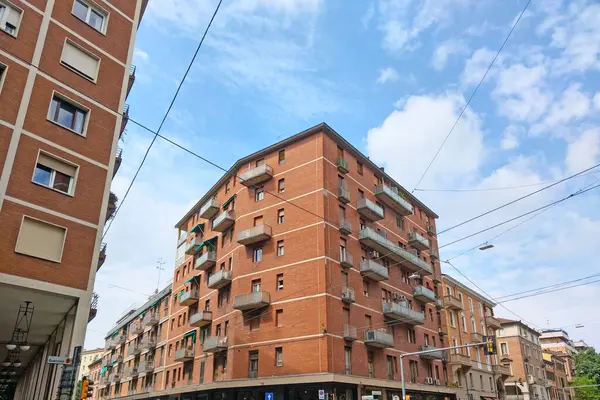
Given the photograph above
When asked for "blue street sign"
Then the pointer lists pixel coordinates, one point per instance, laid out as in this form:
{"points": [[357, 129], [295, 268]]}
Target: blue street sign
{"points": [[269, 396]]}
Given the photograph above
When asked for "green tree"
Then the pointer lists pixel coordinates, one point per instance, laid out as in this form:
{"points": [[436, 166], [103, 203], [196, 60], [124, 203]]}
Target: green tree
{"points": [[586, 393], [587, 364]]}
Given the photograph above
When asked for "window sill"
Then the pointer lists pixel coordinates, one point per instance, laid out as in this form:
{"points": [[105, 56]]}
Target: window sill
{"points": [[87, 78], [54, 190], [10, 34], [67, 128]]}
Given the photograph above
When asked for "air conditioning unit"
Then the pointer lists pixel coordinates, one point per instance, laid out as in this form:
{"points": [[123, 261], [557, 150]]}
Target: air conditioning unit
{"points": [[429, 381], [437, 382]]}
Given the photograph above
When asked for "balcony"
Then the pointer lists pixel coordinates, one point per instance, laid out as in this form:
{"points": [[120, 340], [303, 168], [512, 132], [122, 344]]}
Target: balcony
{"points": [[101, 256], [346, 259], [394, 200], [146, 366], [210, 209], [343, 194], [546, 382], [492, 322], [193, 246], [104, 379], [348, 295], [183, 355], [369, 210], [136, 328], [252, 300], [439, 303], [116, 358], [380, 339], [151, 318], [188, 298], [423, 294], [114, 377], [410, 261], [132, 371], [224, 221], [148, 343], [434, 254], [460, 360], [219, 279], [125, 119], [131, 78], [418, 241], [350, 332], [206, 260], [374, 271], [434, 353], [201, 318], [503, 370], [118, 161], [118, 340], [476, 337], [399, 311], [134, 349], [256, 234], [111, 207], [214, 344], [93, 307], [453, 303], [257, 175], [345, 226], [342, 165]]}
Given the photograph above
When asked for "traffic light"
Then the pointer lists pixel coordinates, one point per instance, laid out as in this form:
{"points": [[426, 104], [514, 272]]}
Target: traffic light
{"points": [[90, 392], [490, 346], [85, 384]]}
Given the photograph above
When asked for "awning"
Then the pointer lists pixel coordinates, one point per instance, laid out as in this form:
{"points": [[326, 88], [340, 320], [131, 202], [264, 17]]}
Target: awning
{"points": [[182, 292], [198, 228], [191, 334], [209, 242], [191, 279], [155, 303], [103, 370], [229, 200]]}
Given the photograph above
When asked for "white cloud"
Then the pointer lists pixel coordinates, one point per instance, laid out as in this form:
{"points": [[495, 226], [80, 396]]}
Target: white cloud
{"points": [[446, 49], [388, 74], [476, 66], [574, 104], [368, 15], [140, 54], [584, 151], [597, 100], [510, 137]]}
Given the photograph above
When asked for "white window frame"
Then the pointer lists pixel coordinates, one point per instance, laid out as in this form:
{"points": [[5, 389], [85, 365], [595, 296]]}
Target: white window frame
{"points": [[96, 8], [74, 103], [62, 250], [4, 69], [75, 70], [8, 4], [72, 183]]}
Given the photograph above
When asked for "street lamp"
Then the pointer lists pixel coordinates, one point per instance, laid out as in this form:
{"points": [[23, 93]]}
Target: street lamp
{"points": [[486, 246]]}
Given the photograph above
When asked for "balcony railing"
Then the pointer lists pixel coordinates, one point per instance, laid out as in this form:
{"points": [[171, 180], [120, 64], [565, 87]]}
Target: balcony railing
{"points": [[185, 354], [460, 359], [401, 312], [136, 328], [111, 207], [434, 254], [134, 349], [345, 226], [215, 344], [116, 358], [114, 377], [252, 300], [124, 120], [372, 270], [369, 210], [219, 279], [132, 371], [188, 298], [224, 221], [148, 343], [393, 200], [375, 241], [101, 256], [342, 165], [476, 337], [423, 294], [201, 318], [256, 234], [206, 260], [343, 193], [193, 246], [146, 366], [492, 322], [433, 354], [118, 161], [418, 241], [348, 295], [131, 78], [210, 209], [346, 259], [503, 370], [151, 318], [379, 339], [256, 175], [93, 307], [350, 332], [452, 302]]}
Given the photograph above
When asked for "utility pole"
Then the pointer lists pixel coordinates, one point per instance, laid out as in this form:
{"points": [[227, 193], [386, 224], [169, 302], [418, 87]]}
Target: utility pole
{"points": [[159, 267]]}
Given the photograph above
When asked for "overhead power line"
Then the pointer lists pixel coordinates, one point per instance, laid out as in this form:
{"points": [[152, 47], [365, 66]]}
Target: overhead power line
{"points": [[548, 291], [462, 111], [556, 285]]}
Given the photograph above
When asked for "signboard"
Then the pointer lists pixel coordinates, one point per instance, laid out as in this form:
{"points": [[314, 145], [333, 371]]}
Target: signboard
{"points": [[59, 360], [366, 397], [269, 396], [321, 394], [376, 392]]}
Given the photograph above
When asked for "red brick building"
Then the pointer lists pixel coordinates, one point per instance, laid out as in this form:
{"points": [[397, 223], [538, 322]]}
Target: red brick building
{"points": [[65, 72]]}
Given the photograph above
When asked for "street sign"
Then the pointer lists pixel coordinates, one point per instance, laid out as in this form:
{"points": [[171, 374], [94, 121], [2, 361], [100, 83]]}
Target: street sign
{"points": [[269, 396], [321, 394], [59, 360]]}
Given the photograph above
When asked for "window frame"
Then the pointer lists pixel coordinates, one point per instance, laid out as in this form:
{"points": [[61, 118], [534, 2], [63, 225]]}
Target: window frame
{"points": [[62, 250], [7, 4], [4, 72], [93, 6], [93, 79], [76, 104], [280, 216], [259, 193], [280, 248], [72, 183], [281, 185], [280, 159]]}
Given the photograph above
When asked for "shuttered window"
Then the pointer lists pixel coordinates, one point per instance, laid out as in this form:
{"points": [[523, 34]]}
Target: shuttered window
{"points": [[55, 173], [41, 239], [10, 18], [80, 60]]}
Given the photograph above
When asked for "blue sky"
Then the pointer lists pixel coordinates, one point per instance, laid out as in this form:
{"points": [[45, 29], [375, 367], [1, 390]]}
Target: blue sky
{"points": [[391, 77]]}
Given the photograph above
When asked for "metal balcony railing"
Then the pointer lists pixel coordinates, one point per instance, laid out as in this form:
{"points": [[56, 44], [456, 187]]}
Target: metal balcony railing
{"points": [[343, 193], [210, 209], [206, 260], [372, 270], [200, 319], [342, 165], [418, 241], [219, 279], [350, 332], [402, 312], [452, 302], [215, 344], [423, 294], [394, 200], [348, 295], [224, 221], [345, 226]]}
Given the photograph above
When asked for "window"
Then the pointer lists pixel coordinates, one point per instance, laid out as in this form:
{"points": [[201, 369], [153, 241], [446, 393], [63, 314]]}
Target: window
{"points": [[10, 18], [359, 168], [282, 156], [279, 248], [361, 194], [452, 321], [348, 360], [463, 322], [400, 222], [471, 305], [2, 75], [54, 173], [410, 334], [41, 239], [281, 185], [370, 363], [259, 194], [67, 114], [253, 364], [260, 161], [365, 288], [227, 188], [278, 356], [426, 339], [279, 282], [92, 16], [256, 285], [257, 254], [280, 216], [391, 367], [414, 370], [254, 323], [504, 348], [80, 60], [278, 318]]}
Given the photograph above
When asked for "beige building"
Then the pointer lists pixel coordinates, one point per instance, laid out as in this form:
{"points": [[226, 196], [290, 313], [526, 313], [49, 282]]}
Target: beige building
{"points": [[88, 357]]}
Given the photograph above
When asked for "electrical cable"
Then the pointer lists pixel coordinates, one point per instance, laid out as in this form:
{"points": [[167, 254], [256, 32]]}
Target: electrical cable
{"points": [[548, 287], [473, 94], [549, 291]]}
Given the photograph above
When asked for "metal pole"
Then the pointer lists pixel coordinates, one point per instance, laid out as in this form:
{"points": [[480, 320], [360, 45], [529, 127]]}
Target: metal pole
{"points": [[402, 376]]}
